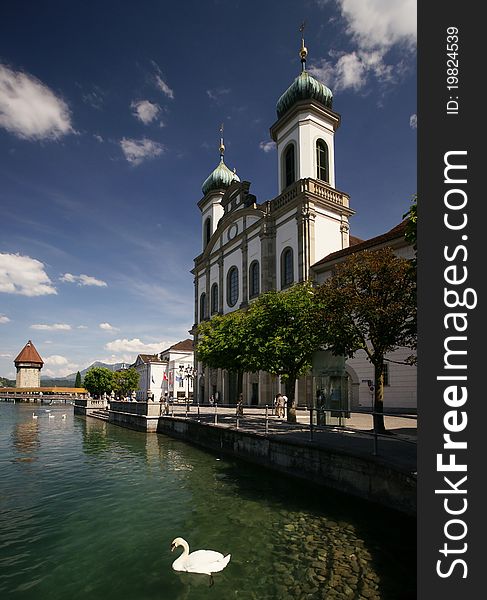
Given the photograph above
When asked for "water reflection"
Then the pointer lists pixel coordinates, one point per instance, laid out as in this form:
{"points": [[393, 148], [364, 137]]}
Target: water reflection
{"points": [[25, 440]]}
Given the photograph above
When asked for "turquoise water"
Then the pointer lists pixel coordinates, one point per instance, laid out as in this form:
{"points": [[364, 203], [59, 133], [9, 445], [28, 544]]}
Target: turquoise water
{"points": [[89, 510]]}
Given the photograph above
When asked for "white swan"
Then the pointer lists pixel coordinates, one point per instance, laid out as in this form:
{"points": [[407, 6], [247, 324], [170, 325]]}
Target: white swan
{"points": [[201, 561], [34, 416], [51, 416], [64, 416]]}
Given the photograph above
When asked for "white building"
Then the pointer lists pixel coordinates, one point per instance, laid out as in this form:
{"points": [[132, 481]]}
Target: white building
{"points": [[168, 374], [400, 379], [250, 247], [151, 370]]}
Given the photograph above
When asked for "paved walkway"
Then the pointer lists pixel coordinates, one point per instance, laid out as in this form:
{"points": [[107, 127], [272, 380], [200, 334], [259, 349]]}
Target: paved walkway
{"points": [[352, 436]]}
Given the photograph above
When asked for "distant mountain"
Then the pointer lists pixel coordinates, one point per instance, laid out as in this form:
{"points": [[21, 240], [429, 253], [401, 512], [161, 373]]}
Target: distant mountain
{"points": [[68, 380]]}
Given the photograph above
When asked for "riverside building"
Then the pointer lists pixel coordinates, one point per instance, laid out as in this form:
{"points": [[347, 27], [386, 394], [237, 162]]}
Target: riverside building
{"points": [[249, 248]]}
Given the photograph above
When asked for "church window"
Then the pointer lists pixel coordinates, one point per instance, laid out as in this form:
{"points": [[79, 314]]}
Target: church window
{"points": [[214, 298], [287, 267], [254, 279], [322, 169], [207, 231], [203, 311], [232, 286], [289, 166]]}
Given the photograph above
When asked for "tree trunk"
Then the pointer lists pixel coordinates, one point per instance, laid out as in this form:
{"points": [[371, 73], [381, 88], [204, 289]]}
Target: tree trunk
{"points": [[379, 426], [290, 387]]}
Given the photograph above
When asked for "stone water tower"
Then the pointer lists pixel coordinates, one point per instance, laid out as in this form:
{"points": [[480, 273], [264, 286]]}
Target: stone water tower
{"points": [[28, 364]]}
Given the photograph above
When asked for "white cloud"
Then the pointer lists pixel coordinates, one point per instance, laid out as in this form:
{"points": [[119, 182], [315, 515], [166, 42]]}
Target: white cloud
{"points": [[53, 327], [4, 319], [160, 83], [267, 146], [58, 366], [145, 110], [217, 94], [374, 27], [413, 121], [107, 327], [55, 360], [136, 151], [380, 23], [135, 346], [82, 280], [29, 109], [24, 275]]}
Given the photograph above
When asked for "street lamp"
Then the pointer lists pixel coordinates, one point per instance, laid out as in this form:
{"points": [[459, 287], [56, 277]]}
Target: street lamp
{"points": [[188, 373]]}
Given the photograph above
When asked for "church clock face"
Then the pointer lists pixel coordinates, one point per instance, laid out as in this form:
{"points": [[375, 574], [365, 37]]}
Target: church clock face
{"points": [[232, 232]]}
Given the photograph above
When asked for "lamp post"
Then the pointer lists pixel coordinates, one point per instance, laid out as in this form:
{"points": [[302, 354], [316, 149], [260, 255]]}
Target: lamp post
{"points": [[188, 373]]}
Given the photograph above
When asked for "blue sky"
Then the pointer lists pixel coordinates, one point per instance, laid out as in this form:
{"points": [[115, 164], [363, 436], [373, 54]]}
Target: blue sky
{"points": [[109, 124]]}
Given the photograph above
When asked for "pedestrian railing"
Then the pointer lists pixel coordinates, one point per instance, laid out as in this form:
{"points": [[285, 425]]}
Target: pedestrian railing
{"points": [[376, 426]]}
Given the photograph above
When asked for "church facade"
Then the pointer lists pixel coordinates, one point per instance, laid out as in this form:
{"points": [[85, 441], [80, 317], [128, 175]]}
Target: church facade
{"points": [[249, 248]]}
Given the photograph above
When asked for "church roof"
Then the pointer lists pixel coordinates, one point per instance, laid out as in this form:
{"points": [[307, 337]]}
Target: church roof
{"points": [[396, 232], [29, 354], [304, 87], [221, 177]]}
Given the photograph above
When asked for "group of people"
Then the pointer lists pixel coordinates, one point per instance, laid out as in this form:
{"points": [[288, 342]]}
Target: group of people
{"points": [[280, 405]]}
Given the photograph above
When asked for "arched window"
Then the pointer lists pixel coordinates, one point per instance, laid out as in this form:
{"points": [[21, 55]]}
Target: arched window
{"points": [[289, 167], [322, 167], [232, 286], [287, 267], [254, 279], [207, 230], [214, 298], [203, 311]]}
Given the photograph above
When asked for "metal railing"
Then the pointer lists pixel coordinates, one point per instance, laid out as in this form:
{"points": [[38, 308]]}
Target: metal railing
{"points": [[399, 427]]}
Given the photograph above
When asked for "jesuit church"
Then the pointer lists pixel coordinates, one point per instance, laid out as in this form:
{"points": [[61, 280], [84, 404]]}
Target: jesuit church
{"points": [[249, 248]]}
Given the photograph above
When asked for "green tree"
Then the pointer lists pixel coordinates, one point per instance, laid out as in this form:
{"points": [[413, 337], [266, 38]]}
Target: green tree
{"points": [[98, 380], [222, 343], [411, 234], [125, 381], [77, 383], [369, 303], [277, 334], [282, 336]]}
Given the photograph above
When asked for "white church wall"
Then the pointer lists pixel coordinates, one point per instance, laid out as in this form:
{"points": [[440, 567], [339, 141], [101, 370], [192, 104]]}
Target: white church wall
{"points": [[401, 393], [327, 236]]}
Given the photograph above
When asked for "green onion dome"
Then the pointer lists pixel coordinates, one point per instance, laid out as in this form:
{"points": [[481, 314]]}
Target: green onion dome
{"points": [[221, 177], [304, 87]]}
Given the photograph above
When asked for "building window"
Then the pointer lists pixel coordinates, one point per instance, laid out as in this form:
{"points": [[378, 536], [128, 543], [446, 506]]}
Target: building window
{"points": [[232, 286], [289, 167], [203, 311], [254, 279], [214, 298], [287, 267], [322, 170], [207, 231]]}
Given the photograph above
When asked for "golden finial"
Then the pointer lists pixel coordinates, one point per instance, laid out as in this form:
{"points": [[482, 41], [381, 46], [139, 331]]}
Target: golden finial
{"points": [[222, 145], [303, 52]]}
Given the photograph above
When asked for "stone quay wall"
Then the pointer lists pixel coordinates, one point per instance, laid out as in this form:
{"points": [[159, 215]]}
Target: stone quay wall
{"points": [[355, 475]]}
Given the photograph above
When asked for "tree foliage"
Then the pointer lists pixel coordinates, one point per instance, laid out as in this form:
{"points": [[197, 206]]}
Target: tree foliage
{"points": [[125, 381], [277, 334], [369, 304], [77, 383], [98, 380]]}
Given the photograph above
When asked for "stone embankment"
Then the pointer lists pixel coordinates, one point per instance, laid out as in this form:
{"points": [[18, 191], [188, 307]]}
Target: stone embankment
{"points": [[329, 457]]}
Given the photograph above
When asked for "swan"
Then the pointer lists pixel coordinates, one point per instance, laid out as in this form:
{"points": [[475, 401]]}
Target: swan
{"points": [[64, 416], [34, 416], [51, 416], [201, 561]]}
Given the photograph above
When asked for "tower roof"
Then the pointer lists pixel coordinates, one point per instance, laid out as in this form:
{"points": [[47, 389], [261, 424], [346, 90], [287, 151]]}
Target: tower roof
{"points": [[222, 176], [29, 354], [304, 87]]}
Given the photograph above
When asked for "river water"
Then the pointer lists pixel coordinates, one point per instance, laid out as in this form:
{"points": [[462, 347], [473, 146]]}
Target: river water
{"points": [[88, 510]]}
